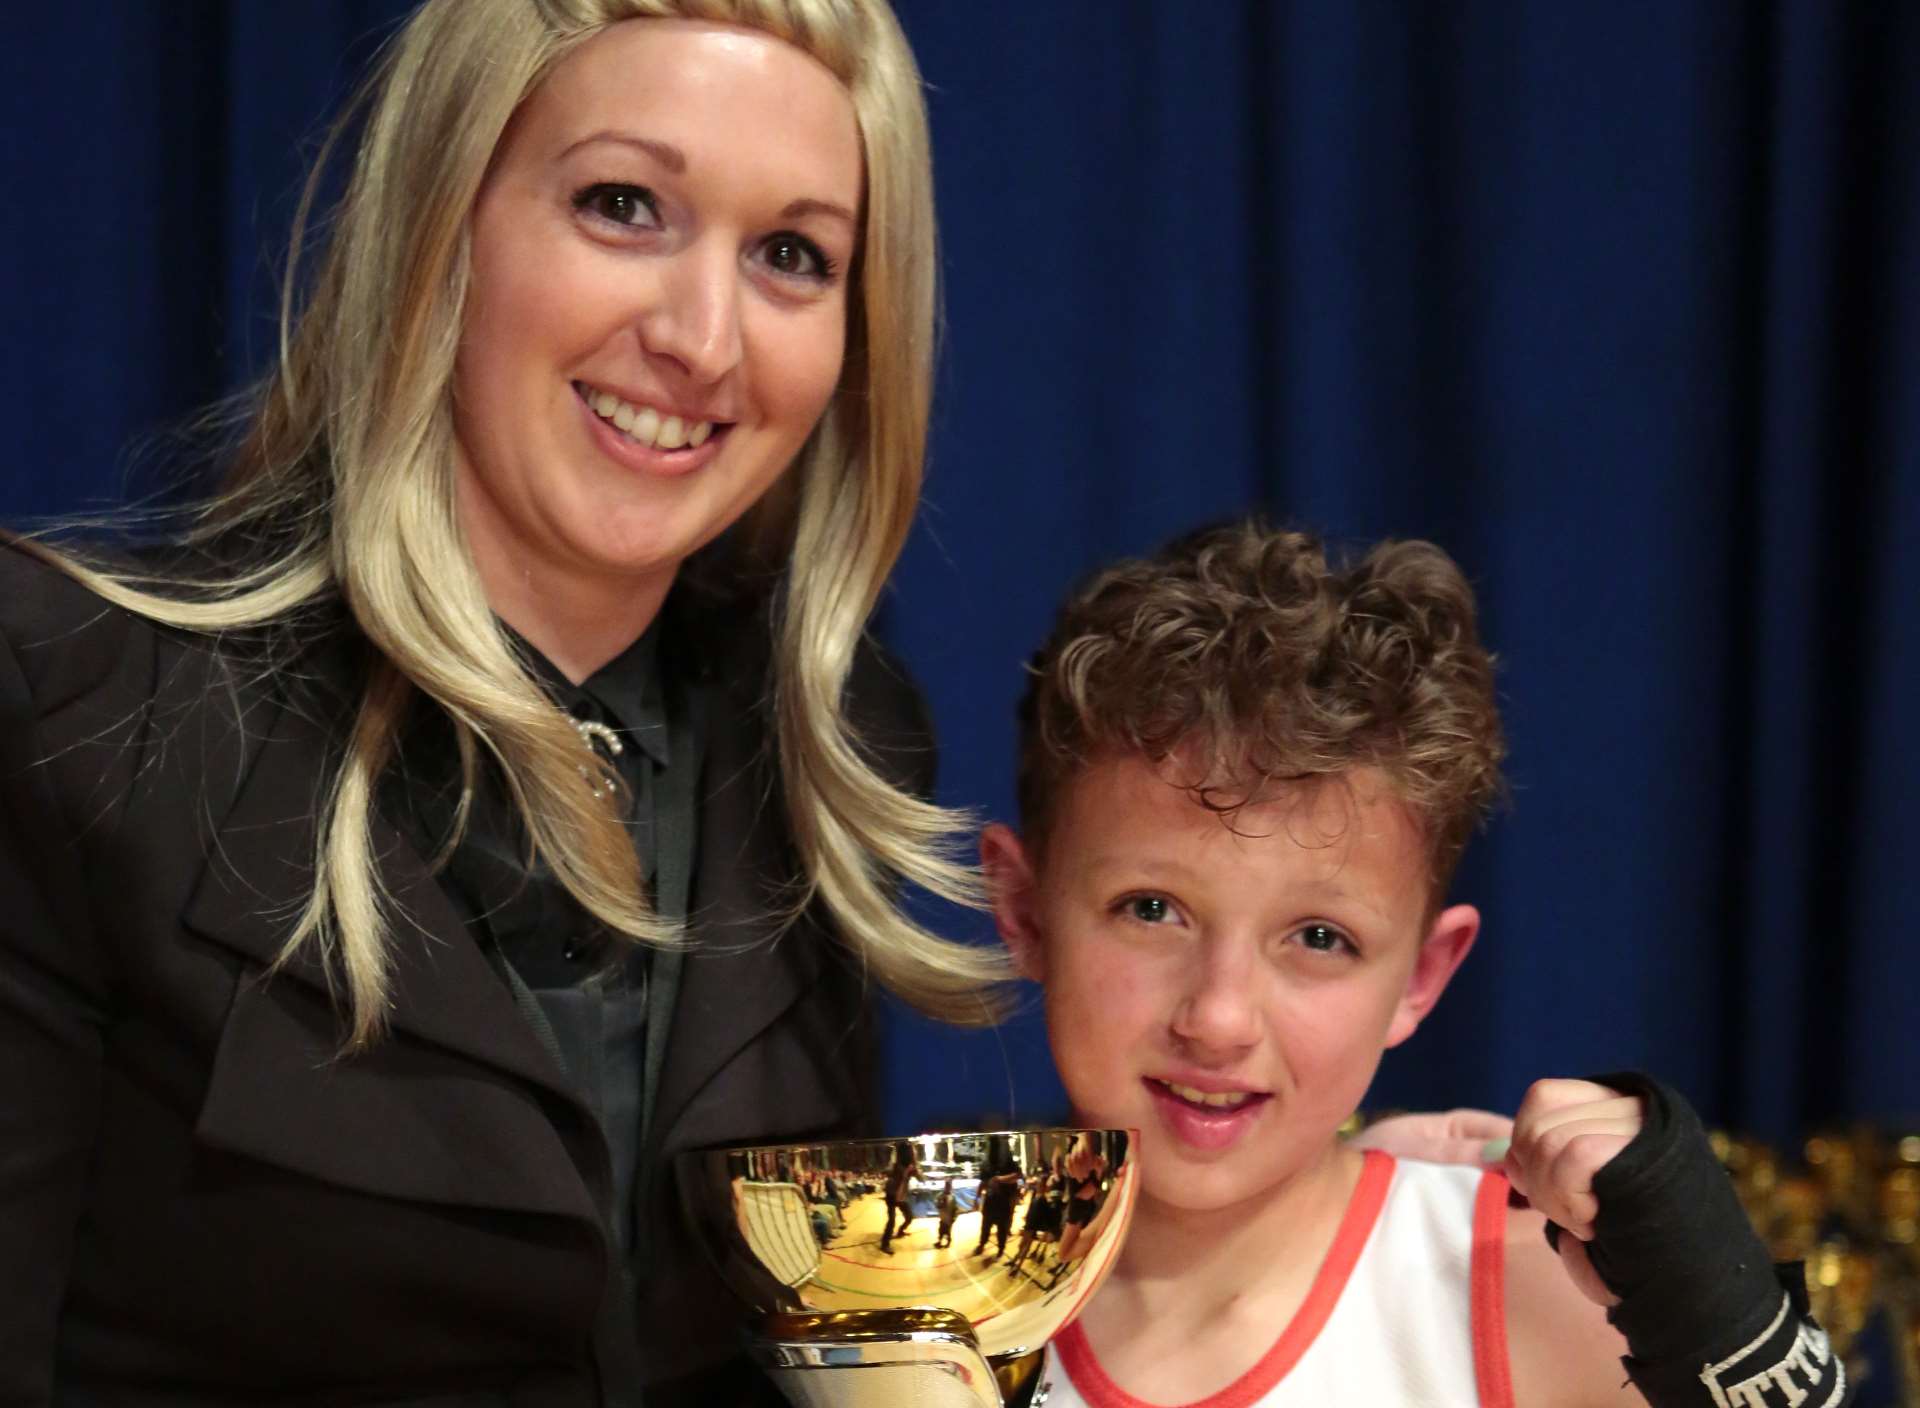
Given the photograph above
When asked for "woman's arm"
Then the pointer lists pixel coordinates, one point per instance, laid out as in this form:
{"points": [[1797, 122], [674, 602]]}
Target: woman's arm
{"points": [[1460, 1136], [52, 1007]]}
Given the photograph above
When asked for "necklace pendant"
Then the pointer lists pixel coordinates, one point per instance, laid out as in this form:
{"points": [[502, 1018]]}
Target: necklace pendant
{"points": [[602, 785], [602, 745]]}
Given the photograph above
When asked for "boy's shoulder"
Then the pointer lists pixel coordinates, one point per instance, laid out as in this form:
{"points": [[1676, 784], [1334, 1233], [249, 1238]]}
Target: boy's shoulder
{"points": [[1560, 1351]]}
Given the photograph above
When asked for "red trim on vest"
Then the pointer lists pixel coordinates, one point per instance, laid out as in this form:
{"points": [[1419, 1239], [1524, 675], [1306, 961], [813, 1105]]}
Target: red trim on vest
{"points": [[1492, 1371], [1363, 1211]]}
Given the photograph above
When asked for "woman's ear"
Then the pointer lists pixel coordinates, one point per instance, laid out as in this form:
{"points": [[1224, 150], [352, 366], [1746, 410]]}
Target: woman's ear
{"points": [[1448, 940], [1012, 887]]}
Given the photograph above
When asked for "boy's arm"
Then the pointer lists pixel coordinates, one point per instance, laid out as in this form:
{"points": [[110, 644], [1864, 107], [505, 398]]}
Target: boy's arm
{"points": [[1648, 1226], [1560, 1349]]}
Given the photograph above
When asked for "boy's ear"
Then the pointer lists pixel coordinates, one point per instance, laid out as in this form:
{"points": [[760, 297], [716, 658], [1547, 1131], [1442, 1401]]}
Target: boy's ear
{"points": [[1013, 888], [1448, 940]]}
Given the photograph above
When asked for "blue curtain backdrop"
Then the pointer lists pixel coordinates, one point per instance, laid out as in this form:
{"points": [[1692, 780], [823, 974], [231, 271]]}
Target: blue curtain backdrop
{"points": [[1620, 303]]}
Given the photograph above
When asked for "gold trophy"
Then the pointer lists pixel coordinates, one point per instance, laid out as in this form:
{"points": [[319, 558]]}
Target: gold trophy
{"points": [[928, 1271]]}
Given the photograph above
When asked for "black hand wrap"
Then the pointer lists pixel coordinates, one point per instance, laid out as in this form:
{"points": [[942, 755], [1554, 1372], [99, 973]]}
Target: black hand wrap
{"points": [[1707, 1316]]}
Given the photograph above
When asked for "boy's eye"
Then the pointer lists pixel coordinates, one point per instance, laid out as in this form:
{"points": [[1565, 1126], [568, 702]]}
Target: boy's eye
{"points": [[1323, 938], [1149, 909]]}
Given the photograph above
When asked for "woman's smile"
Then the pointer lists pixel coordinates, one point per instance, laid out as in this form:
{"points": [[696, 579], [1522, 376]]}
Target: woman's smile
{"points": [[646, 424]]}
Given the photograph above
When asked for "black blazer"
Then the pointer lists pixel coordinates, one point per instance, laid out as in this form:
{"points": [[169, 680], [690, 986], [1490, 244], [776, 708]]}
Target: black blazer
{"points": [[201, 1203]]}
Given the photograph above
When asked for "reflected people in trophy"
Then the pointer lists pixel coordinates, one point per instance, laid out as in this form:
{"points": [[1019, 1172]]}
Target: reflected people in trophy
{"points": [[947, 1207], [899, 1191], [1000, 1181], [1046, 1206], [856, 1215], [1086, 1173]]}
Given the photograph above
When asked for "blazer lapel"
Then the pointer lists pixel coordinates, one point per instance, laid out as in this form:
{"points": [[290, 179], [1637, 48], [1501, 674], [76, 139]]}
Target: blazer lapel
{"points": [[743, 971], [261, 873]]}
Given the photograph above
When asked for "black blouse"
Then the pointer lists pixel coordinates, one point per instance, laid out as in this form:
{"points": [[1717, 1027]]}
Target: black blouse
{"points": [[600, 1005]]}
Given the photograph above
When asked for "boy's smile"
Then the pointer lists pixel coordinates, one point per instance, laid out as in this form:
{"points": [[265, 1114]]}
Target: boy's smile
{"points": [[1205, 1117], [1225, 985]]}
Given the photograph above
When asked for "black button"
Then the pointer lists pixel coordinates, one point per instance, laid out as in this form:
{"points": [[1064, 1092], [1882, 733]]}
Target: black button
{"points": [[576, 950]]}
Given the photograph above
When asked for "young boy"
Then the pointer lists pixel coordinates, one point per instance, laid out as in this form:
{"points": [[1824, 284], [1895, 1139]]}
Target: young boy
{"points": [[1246, 778]]}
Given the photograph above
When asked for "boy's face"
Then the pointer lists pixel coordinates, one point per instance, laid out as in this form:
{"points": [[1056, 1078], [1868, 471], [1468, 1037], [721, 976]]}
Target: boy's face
{"points": [[1227, 991]]}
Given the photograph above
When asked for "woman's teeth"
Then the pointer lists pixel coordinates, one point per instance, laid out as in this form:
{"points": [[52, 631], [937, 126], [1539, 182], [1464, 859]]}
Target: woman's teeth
{"points": [[646, 426], [1218, 1099]]}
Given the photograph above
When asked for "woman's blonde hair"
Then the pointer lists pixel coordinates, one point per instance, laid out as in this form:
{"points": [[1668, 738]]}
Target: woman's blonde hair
{"points": [[346, 474]]}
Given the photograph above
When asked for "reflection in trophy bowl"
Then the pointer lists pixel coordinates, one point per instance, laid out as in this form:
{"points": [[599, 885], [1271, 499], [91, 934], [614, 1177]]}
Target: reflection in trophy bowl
{"points": [[918, 1256]]}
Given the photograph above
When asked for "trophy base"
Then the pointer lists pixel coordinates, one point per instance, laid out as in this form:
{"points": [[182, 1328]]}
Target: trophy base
{"points": [[911, 1358]]}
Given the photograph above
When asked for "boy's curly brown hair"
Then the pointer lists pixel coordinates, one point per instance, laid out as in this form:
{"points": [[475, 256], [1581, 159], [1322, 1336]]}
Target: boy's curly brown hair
{"points": [[1239, 655]]}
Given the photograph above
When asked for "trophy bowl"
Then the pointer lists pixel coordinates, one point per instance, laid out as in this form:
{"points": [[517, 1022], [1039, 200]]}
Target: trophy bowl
{"points": [[925, 1270]]}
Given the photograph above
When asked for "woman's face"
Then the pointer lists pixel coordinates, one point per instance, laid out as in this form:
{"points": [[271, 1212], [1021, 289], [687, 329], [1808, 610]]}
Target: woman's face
{"points": [[658, 306]]}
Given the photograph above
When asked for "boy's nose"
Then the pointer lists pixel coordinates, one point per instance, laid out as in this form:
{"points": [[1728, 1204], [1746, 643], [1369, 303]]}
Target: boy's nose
{"points": [[696, 320], [1219, 1014]]}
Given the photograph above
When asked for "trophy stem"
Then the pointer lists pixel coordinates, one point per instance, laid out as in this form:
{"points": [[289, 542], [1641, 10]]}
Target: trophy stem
{"points": [[1015, 1376]]}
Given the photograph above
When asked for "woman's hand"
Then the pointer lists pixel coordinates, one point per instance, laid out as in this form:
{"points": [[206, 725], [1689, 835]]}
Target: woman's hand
{"points": [[1565, 1133], [1450, 1137]]}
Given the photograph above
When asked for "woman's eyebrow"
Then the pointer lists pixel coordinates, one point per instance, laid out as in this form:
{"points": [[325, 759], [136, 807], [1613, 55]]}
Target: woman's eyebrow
{"points": [[665, 153], [675, 161], [807, 205]]}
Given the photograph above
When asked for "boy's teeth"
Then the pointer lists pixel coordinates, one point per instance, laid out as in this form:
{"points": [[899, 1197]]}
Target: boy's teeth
{"points": [[1218, 1099], [646, 425]]}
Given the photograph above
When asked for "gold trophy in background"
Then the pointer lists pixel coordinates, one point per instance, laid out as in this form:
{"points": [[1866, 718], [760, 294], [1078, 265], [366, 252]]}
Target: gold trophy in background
{"points": [[1849, 1208], [922, 1271]]}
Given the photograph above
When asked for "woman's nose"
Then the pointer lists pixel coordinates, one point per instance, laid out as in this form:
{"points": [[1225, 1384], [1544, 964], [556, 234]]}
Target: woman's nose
{"points": [[696, 320], [1219, 1013]]}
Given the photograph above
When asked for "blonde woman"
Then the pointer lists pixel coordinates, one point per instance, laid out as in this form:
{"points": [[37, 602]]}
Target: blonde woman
{"points": [[491, 793]]}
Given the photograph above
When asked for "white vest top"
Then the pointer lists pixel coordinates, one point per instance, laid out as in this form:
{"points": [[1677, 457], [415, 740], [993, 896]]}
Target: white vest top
{"points": [[1407, 1309]]}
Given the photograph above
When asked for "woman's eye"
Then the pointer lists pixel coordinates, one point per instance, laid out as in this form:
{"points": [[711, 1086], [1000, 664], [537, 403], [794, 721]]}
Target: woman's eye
{"points": [[1323, 938], [632, 206], [796, 256], [1149, 909]]}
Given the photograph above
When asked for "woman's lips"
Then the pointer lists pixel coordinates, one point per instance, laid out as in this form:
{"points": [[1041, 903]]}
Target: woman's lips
{"points": [[648, 459], [1202, 1124]]}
